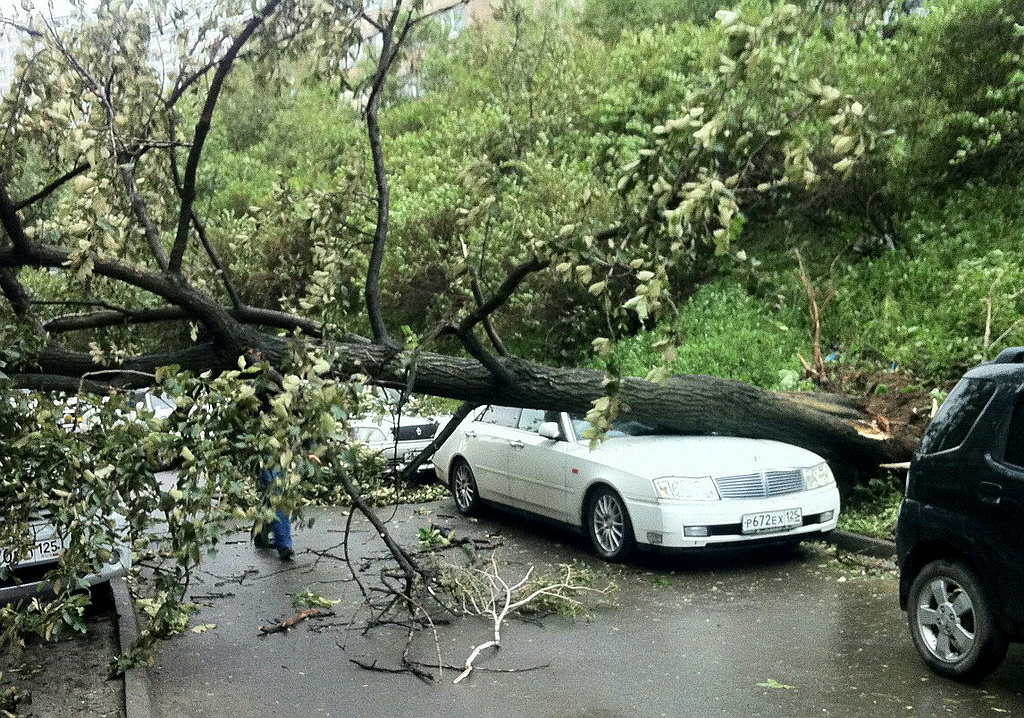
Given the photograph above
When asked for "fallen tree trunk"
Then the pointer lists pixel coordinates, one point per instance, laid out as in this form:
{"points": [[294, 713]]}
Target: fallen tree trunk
{"points": [[852, 440], [849, 438]]}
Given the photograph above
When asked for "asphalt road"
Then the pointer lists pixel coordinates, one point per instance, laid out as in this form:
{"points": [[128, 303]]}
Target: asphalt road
{"points": [[740, 635]]}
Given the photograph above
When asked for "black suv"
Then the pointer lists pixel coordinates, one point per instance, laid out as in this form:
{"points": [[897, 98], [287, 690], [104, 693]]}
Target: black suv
{"points": [[960, 535]]}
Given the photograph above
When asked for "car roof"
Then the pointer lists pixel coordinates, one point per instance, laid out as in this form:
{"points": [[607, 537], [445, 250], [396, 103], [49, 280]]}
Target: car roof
{"points": [[1008, 366]]}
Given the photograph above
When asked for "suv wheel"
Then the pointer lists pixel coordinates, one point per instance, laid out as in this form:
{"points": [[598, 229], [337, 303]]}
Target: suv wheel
{"points": [[952, 624]]}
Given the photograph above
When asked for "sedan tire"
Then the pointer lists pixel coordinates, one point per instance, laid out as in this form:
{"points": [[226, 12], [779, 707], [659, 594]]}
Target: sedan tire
{"points": [[952, 623], [608, 526], [463, 487]]}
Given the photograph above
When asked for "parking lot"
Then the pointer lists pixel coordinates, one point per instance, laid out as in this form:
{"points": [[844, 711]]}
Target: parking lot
{"points": [[801, 634]]}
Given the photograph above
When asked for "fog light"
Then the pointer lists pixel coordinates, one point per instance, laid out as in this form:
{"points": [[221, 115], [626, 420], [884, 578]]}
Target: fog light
{"points": [[696, 531], [826, 516], [655, 537]]}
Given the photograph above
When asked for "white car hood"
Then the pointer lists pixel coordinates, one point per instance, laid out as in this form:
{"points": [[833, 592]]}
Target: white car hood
{"points": [[655, 456]]}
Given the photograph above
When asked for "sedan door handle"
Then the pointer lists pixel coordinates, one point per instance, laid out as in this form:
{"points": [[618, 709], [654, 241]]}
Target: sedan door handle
{"points": [[516, 444], [990, 492]]}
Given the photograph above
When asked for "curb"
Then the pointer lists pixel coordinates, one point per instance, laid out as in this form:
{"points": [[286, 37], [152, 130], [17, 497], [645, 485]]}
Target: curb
{"points": [[138, 701], [866, 545]]}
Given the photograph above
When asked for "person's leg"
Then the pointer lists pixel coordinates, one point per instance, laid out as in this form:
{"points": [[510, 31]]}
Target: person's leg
{"points": [[262, 534], [261, 537], [282, 528]]}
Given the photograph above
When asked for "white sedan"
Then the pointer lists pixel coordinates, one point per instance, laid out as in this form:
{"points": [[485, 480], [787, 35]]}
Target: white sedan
{"points": [[398, 441], [638, 488]]}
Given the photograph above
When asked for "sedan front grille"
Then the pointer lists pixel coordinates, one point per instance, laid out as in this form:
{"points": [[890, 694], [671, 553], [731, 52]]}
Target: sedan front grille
{"points": [[760, 485]]}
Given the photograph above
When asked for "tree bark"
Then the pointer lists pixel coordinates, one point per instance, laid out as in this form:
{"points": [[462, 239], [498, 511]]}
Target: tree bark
{"points": [[684, 404]]}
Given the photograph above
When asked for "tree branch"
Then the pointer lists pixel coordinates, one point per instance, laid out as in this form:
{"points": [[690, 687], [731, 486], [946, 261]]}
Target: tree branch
{"points": [[31, 32], [123, 157], [389, 50], [125, 317], [12, 222], [478, 351], [504, 292], [53, 186], [15, 291], [222, 269], [492, 333], [228, 331], [188, 188], [413, 466]]}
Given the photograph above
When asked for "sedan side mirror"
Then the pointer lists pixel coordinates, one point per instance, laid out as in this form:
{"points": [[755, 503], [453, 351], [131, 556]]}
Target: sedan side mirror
{"points": [[550, 430]]}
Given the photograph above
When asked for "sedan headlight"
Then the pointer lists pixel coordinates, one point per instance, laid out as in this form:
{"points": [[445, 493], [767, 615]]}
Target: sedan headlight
{"points": [[817, 476], [686, 488]]}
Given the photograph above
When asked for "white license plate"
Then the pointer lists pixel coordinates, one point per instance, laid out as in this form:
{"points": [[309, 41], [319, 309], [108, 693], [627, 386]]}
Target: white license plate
{"points": [[45, 550], [770, 521]]}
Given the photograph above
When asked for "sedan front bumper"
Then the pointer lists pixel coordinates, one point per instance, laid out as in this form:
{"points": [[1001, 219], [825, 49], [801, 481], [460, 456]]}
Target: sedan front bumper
{"points": [[679, 524]]}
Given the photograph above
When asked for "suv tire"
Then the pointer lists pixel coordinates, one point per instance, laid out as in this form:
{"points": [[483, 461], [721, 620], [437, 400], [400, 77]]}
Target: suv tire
{"points": [[952, 624]]}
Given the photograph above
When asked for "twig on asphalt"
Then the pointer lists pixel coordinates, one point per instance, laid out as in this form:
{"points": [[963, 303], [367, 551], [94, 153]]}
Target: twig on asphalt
{"points": [[239, 579], [452, 667], [295, 620]]}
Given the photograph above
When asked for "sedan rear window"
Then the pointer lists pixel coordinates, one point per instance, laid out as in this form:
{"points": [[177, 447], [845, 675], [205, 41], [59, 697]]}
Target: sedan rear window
{"points": [[368, 433]]}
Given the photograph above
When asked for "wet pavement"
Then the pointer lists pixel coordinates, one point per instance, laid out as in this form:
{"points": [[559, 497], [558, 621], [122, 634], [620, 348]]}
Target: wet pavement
{"points": [[801, 634]]}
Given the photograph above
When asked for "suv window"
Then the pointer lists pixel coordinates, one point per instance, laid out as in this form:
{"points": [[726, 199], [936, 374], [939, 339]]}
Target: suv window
{"points": [[954, 420], [501, 415], [1014, 453]]}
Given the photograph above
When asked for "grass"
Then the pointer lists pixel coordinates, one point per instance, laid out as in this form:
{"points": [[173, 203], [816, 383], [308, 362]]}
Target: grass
{"points": [[872, 508]]}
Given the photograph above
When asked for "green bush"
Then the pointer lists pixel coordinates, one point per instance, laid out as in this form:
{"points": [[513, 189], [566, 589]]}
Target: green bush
{"points": [[927, 305], [872, 508], [725, 332]]}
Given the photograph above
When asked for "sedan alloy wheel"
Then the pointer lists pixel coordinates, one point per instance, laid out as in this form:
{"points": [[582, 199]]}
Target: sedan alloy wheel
{"points": [[609, 527], [467, 498]]}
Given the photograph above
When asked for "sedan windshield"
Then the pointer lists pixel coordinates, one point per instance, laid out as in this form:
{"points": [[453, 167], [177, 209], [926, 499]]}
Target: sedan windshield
{"points": [[620, 427]]}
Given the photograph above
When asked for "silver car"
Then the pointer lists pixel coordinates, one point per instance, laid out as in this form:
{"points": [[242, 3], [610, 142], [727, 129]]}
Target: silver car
{"points": [[23, 574]]}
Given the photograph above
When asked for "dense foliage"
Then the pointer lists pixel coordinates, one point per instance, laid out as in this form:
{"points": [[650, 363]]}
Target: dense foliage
{"points": [[791, 130]]}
